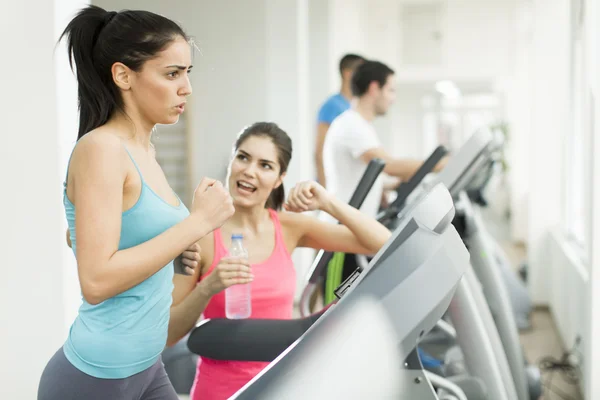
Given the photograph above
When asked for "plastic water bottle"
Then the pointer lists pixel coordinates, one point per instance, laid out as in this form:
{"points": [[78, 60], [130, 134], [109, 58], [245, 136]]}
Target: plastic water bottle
{"points": [[237, 297]]}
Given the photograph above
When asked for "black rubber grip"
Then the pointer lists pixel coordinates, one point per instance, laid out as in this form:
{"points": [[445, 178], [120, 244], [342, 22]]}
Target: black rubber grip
{"points": [[247, 339]]}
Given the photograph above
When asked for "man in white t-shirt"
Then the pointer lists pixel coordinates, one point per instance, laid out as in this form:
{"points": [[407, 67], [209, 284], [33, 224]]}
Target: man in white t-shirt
{"points": [[352, 142], [349, 137]]}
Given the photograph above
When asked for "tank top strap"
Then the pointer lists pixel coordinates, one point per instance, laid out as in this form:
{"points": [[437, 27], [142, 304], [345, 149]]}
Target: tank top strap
{"points": [[219, 252], [134, 164], [279, 241], [126, 150], [67, 171]]}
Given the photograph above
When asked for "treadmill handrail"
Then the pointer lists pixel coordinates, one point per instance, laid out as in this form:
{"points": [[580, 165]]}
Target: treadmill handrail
{"points": [[365, 184], [405, 189]]}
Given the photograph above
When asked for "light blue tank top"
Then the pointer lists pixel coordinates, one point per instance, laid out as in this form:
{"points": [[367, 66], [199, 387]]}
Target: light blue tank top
{"points": [[126, 334]]}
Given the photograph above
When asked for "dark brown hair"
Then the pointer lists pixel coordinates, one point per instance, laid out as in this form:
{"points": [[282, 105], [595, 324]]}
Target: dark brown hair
{"points": [[282, 142], [96, 39]]}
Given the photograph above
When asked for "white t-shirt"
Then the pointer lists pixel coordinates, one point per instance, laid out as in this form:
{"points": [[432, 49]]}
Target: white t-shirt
{"points": [[348, 137]]}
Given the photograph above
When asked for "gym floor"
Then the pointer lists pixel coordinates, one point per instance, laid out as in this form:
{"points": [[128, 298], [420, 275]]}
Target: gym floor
{"points": [[543, 341]]}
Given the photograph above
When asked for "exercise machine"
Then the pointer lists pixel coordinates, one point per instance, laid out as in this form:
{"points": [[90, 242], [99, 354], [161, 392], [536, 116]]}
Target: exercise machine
{"points": [[421, 266], [478, 192], [474, 327], [461, 172], [482, 320]]}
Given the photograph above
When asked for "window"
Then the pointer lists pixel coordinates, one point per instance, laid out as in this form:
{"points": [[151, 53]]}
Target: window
{"points": [[451, 121], [577, 211]]}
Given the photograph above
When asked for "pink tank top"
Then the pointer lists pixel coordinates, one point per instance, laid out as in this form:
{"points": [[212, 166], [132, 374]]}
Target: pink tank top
{"points": [[273, 292]]}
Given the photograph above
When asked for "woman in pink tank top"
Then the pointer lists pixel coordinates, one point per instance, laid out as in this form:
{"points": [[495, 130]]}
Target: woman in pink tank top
{"points": [[255, 180]]}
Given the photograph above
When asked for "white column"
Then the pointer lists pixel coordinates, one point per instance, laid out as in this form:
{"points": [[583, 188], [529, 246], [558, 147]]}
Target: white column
{"points": [[382, 38], [287, 66], [68, 126], [592, 348], [347, 34], [32, 247], [518, 93], [320, 63], [549, 117]]}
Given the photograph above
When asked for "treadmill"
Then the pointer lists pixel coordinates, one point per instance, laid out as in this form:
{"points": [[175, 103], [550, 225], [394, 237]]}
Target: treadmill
{"points": [[421, 265], [487, 270], [519, 296], [246, 339], [485, 328], [476, 328]]}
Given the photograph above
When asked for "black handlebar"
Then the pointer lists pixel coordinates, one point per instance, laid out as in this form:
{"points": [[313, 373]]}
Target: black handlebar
{"points": [[358, 197], [406, 188]]}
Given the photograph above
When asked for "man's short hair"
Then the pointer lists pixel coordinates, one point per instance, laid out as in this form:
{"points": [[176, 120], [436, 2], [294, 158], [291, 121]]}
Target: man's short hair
{"points": [[350, 61], [369, 71]]}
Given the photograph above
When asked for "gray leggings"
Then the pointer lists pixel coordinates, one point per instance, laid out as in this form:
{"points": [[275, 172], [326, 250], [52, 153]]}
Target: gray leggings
{"points": [[62, 381]]}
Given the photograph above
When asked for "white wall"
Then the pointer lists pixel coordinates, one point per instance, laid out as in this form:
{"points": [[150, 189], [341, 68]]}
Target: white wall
{"points": [[68, 125], [549, 117], [477, 41], [382, 30], [320, 63], [480, 37], [517, 94], [346, 34], [406, 120], [568, 285], [559, 276], [592, 347], [31, 250], [592, 340]]}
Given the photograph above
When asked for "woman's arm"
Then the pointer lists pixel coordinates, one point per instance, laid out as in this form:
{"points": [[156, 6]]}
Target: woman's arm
{"points": [[191, 297], [97, 176], [189, 302], [357, 233]]}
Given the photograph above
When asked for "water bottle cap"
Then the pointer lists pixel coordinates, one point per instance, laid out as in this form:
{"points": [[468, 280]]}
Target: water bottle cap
{"points": [[237, 236]]}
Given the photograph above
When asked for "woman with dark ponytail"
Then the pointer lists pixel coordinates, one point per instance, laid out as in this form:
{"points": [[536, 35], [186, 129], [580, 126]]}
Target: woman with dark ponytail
{"points": [[126, 225], [261, 156]]}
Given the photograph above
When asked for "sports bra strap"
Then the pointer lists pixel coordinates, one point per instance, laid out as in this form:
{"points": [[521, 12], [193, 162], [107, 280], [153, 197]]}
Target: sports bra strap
{"points": [[221, 251], [278, 231]]}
